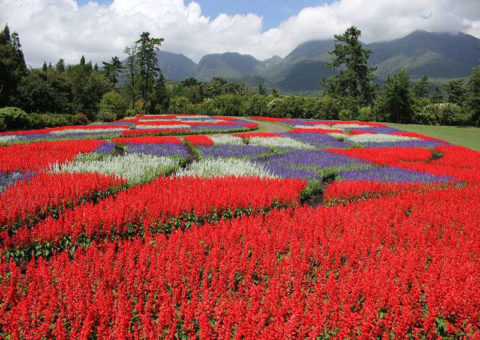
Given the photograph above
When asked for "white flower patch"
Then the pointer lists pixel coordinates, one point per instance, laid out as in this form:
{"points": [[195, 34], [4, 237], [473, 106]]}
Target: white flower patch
{"points": [[106, 131], [219, 167], [348, 126], [337, 135], [155, 127], [136, 168], [280, 142], [378, 138], [227, 139], [8, 139]]}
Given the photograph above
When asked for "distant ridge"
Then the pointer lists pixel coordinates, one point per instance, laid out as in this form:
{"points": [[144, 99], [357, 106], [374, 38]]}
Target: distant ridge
{"points": [[438, 55]]}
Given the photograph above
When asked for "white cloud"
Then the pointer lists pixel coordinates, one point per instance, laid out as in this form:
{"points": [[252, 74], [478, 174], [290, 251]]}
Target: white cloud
{"points": [[53, 29]]}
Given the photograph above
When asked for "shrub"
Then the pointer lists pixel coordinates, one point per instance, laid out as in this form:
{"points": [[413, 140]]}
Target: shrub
{"points": [[115, 103], [441, 114], [79, 119], [13, 117], [46, 120], [178, 104], [106, 116]]}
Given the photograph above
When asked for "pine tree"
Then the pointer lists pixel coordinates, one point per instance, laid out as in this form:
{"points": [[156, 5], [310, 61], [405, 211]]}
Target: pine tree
{"points": [[147, 64], [355, 78], [12, 66]]}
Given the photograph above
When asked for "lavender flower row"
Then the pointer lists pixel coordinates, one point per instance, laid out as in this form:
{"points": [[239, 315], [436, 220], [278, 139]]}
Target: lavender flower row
{"points": [[391, 174], [320, 140]]}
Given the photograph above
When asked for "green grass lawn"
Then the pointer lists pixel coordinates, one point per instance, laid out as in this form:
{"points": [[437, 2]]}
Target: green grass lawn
{"points": [[466, 136]]}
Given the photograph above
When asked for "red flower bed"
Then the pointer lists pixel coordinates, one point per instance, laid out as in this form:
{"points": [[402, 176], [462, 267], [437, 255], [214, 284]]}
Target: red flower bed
{"points": [[46, 191], [360, 132], [406, 266], [345, 191], [38, 156], [160, 200], [199, 140], [148, 140]]}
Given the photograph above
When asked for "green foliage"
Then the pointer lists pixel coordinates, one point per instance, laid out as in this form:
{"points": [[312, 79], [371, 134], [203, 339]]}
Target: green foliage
{"points": [[112, 70], [79, 119], [45, 91], [313, 188], [441, 114], [106, 115], [355, 77], [396, 101], [88, 87], [421, 87], [114, 103], [147, 64], [46, 120], [437, 96], [12, 66], [13, 117], [474, 96], [456, 92], [179, 105]]}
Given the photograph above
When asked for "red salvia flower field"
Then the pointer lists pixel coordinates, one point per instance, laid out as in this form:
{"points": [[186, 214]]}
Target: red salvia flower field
{"points": [[329, 239]]}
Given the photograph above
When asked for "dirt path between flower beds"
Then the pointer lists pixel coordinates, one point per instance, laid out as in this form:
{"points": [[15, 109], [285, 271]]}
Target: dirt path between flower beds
{"points": [[269, 126]]}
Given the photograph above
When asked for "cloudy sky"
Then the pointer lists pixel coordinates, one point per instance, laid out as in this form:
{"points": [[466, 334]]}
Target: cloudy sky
{"points": [[100, 29]]}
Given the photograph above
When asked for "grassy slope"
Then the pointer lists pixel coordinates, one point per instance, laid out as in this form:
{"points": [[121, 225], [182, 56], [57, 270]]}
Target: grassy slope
{"points": [[469, 137]]}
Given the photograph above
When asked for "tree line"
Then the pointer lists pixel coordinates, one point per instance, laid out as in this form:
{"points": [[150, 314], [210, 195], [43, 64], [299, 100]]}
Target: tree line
{"points": [[78, 93]]}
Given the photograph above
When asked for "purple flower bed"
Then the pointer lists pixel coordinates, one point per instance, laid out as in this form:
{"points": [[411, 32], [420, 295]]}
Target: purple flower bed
{"points": [[320, 140], [379, 129], [217, 127], [167, 149], [317, 158], [47, 136], [9, 179], [107, 148], [231, 150], [391, 174]]}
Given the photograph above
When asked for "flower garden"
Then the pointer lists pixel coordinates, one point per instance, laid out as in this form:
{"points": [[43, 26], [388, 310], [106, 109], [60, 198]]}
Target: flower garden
{"points": [[182, 226]]}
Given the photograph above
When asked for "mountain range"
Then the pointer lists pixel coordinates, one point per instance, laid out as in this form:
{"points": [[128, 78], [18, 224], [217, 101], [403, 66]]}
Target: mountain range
{"points": [[440, 56]]}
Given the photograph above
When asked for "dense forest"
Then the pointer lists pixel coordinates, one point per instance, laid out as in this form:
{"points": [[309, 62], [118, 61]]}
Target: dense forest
{"points": [[61, 94]]}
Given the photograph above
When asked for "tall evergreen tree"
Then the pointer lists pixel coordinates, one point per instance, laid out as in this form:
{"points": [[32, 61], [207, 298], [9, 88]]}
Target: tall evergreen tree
{"points": [[147, 64], [397, 99], [12, 65], [421, 87], [60, 67], [474, 95], [456, 92], [355, 78], [112, 70], [131, 74], [437, 95]]}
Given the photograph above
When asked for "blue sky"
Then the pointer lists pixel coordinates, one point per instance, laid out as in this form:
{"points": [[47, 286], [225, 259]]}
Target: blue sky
{"points": [[272, 11]]}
